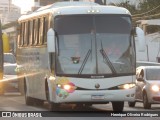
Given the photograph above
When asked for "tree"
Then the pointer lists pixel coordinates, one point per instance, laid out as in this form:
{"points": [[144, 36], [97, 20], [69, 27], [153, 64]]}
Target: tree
{"points": [[131, 8], [150, 7]]}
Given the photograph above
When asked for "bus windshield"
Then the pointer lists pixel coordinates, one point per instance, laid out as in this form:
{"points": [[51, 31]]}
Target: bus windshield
{"points": [[94, 45]]}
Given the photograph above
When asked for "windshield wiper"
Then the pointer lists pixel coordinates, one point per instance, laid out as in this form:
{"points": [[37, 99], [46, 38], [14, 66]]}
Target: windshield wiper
{"points": [[84, 61], [107, 59]]}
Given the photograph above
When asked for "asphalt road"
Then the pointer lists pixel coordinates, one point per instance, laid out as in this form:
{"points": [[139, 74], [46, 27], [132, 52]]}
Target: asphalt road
{"points": [[96, 112]]}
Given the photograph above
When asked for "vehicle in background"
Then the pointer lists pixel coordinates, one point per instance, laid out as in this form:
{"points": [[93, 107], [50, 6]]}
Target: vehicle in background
{"points": [[9, 58], [11, 85], [6, 45], [73, 65], [146, 63], [151, 29], [147, 86]]}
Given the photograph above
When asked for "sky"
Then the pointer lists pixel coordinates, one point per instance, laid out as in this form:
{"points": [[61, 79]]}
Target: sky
{"points": [[25, 5]]}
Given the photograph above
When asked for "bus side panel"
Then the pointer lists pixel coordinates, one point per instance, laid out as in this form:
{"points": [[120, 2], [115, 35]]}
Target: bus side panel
{"points": [[33, 64]]}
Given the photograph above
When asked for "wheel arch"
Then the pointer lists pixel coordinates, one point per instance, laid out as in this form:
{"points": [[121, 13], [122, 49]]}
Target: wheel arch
{"points": [[48, 88], [26, 85]]}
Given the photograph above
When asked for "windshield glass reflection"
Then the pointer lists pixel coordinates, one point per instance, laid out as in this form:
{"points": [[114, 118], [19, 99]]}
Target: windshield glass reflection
{"points": [[84, 47]]}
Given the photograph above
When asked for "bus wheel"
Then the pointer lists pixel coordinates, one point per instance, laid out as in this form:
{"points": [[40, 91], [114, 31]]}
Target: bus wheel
{"points": [[131, 104], [28, 100], [118, 106], [88, 104], [39, 102], [53, 106], [146, 104], [79, 106]]}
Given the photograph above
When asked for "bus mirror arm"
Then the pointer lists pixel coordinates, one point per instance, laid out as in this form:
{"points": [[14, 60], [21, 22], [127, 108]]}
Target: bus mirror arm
{"points": [[51, 40], [141, 39], [50, 62]]}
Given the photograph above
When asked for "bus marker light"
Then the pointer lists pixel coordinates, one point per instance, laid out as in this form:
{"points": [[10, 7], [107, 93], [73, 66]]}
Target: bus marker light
{"points": [[52, 78], [59, 85], [89, 11], [97, 11]]}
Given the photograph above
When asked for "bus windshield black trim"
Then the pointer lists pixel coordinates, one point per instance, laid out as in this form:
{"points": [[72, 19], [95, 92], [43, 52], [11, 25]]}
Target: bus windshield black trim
{"points": [[99, 76]]}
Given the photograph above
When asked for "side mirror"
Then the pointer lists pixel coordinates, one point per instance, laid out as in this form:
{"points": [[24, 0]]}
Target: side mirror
{"points": [[141, 39], [51, 40], [140, 79]]}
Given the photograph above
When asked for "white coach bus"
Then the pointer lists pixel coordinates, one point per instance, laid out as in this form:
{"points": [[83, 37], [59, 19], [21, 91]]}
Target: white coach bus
{"points": [[63, 53]]}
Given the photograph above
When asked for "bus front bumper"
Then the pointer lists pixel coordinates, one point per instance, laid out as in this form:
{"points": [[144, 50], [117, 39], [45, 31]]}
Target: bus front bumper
{"points": [[96, 96]]}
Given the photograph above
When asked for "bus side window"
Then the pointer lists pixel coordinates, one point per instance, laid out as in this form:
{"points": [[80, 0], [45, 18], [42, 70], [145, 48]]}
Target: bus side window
{"points": [[45, 24], [41, 27], [38, 31], [31, 32], [21, 34], [26, 35], [35, 32]]}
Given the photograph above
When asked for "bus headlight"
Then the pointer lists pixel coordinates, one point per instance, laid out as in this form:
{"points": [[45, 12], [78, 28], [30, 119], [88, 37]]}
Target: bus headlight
{"points": [[155, 88], [127, 86], [67, 87], [70, 87]]}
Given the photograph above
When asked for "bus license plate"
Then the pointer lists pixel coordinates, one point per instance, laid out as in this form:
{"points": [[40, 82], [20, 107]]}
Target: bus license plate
{"points": [[97, 97]]}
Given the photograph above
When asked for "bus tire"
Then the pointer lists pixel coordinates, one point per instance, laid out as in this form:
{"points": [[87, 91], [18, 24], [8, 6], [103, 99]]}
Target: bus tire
{"points": [[28, 100], [88, 104], [53, 106], [131, 104], [146, 104], [39, 102], [118, 106]]}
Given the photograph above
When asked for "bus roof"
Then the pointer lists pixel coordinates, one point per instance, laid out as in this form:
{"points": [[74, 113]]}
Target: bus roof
{"points": [[65, 4], [70, 8]]}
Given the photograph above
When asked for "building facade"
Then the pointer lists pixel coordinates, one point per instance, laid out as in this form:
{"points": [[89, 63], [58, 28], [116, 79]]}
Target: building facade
{"points": [[8, 11]]}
